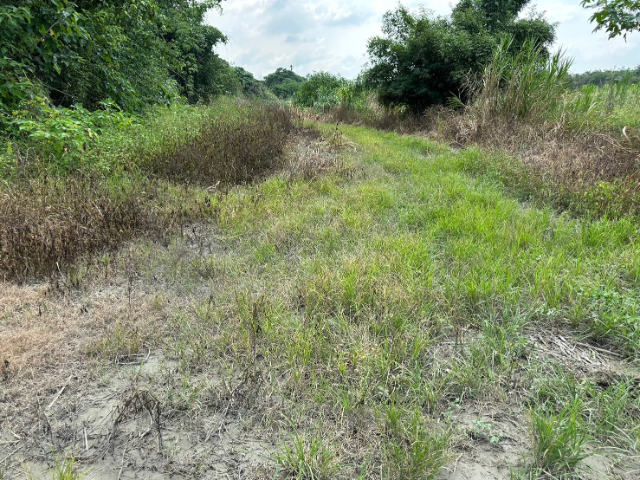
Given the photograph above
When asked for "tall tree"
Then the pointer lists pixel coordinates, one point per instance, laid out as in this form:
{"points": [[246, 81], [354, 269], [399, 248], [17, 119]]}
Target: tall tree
{"points": [[422, 60], [134, 52]]}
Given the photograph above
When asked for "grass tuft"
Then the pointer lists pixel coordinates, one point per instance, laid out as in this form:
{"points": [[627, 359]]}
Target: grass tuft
{"points": [[559, 439]]}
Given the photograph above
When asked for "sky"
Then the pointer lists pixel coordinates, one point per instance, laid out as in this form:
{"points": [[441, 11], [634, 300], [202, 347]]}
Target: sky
{"points": [[332, 35]]}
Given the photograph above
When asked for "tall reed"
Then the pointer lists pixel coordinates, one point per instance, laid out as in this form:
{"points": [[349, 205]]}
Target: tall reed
{"points": [[524, 84]]}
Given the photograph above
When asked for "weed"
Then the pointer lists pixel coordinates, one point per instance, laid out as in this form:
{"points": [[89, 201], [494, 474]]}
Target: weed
{"points": [[65, 469], [123, 342], [485, 432], [305, 458], [414, 450], [559, 439]]}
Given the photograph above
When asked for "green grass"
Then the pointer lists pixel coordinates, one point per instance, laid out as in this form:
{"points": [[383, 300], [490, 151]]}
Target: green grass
{"points": [[377, 299], [606, 109], [372, 307]]}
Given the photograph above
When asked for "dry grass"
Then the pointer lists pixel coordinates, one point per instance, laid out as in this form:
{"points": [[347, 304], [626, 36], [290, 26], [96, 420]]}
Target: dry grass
{"points": [[584, 172], [47, 223], [232, 149], [312, 156]]}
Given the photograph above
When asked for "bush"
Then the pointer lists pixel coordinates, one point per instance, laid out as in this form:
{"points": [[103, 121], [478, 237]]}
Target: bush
{"points": [[320, 91]]}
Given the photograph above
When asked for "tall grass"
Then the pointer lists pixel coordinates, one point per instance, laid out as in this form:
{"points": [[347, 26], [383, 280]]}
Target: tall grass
{"points": [[525, 84], [237, 144], [606, 109]]}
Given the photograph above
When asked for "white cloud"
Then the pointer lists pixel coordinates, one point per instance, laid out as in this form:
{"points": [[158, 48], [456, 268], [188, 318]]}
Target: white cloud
{"points": [[332, 35]]}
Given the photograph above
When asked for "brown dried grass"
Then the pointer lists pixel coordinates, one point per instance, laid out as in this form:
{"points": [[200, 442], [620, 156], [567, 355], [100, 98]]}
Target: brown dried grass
{"points": [[46, 223], [590, 171], [228, 150]]}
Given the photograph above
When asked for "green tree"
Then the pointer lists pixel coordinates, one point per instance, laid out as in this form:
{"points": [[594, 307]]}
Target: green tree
{"points": [[284, 83], [601, 78], [135, 52], [320, 90], [617, 17], [423, 60], [37, 41], [251, 87]]}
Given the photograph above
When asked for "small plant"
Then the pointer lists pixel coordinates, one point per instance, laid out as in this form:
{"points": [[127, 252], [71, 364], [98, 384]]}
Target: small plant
{"points": [[65, 469], [306, 458], [414, 450], [559, 439], [485, 432], [122, 344]]}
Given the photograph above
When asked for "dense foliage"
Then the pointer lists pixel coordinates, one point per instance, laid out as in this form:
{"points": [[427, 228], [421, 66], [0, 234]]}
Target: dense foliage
{"points": [[601, 78], [284, 83], [250, 86], [423, 60], [320, 90], [617, 17], [134, 52]]}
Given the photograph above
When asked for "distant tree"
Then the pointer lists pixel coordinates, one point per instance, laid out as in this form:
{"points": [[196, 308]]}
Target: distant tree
{"points": [[251, 87], [600, 78], [320, 90], [423, 60], [617, 17], [284, 83]]}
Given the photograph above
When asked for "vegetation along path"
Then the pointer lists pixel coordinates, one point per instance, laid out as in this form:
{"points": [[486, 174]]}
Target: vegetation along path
{"points": [[375, 309]]}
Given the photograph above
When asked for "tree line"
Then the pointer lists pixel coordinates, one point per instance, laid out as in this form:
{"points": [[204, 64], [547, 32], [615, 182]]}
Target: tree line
{"points": [[134, 53]]}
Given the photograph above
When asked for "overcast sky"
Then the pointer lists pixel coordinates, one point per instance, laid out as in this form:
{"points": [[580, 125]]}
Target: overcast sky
{"points": [[331, 35]]}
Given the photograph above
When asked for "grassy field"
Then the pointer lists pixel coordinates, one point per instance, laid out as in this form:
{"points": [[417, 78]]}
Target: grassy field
{"points": [[380, 307]]}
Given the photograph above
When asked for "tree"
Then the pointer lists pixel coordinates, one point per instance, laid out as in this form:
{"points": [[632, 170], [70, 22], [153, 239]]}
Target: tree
{"points": [[618, 17], [600, 78], [423, 60], [284, 83], [134, 52], [251, 87], [320, 90]]}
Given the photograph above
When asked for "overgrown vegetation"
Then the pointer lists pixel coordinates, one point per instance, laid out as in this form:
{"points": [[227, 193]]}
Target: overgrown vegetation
{"points": [[422, 60], [49, 218], [576, 150], [352, 321], [349, 303]]}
